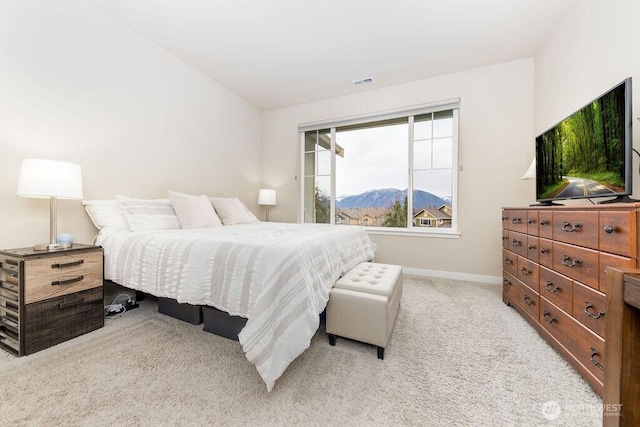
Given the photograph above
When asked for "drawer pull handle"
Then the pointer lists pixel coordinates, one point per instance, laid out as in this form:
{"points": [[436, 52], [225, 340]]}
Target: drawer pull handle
{"points": [[504, 218], [516, 220], [568, 228], [590, 314], [70, 304], [548, 317], [506, 282], [68, 281], [516, 243], [507, 261], [526, 272], [531, 247], [551, 288], [543, 250], [566, 259], [505, 238], [68, 264], [544, 222], [594, 353], [609, 229], [530, 221], [527, 300]]}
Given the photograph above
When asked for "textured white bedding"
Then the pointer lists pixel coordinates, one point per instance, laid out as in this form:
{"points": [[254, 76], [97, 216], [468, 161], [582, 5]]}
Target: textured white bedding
{"points": [[276, 275]]}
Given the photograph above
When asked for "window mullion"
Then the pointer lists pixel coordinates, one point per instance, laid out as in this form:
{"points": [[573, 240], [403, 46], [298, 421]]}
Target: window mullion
{"points": [[332, 210], [410, 177]]}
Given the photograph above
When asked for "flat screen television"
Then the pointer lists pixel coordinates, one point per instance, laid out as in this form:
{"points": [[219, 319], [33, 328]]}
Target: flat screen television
{"points": [[589, 153]]}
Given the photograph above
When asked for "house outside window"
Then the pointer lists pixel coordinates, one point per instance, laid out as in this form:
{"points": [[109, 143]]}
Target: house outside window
{"points": [[395, 171]]}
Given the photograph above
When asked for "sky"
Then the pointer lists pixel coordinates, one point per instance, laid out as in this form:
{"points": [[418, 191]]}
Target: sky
{"points": [[377, 158]]}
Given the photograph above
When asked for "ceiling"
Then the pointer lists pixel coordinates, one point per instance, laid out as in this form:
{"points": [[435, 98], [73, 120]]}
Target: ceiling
{"points": [[279, 53]]}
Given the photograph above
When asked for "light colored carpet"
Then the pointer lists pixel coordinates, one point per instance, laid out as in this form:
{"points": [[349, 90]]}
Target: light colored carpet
{"points": [[457, 356]]}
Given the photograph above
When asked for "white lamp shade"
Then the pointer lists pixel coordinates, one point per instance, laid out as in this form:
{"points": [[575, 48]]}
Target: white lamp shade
{"points": [[267, 197], [531, 172], [50, 178]]}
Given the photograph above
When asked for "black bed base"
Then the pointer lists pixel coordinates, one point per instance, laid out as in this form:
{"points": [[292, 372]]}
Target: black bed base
{"points": [[215, 321]]}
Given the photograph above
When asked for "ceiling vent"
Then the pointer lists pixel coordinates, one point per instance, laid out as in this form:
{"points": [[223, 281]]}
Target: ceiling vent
{"points": [[365, 81]]}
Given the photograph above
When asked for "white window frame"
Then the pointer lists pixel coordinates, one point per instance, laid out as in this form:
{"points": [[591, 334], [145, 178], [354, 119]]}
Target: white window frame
{"points": [[410, 112]]}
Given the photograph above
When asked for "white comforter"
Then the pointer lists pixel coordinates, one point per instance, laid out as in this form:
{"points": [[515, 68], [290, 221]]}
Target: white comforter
{"points": [[276, 275]]}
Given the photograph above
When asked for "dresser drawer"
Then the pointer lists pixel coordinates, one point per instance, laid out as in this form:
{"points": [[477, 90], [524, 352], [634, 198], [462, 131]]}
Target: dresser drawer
{"points": [[589, 308], [578, 263], [525, 297], [61, 318], [618, 233], [529, 273], [545, 251], [533, 248], [532, 223], [545, 224], [518, 221], [609, 260], [518, 243], [576, 227], [55, 276], [510, 262], [585, 346], [556, 288]]}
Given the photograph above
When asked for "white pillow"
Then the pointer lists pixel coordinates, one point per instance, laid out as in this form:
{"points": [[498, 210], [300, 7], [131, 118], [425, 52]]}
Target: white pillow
{"points": [[193, 211], [106, 215], [232, 211], [148, 214]]}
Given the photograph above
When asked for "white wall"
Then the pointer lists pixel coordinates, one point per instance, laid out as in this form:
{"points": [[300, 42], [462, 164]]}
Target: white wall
{"points": [[593, 48], [495, 149], [77, 85]]}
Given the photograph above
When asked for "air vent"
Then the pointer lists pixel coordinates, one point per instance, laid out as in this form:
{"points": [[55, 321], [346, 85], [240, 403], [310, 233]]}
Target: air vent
{"points": [[365, 81]]}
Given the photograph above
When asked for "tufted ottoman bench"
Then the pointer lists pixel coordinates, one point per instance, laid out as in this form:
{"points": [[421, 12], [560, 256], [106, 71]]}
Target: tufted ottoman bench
{"points": [[363, 304]]}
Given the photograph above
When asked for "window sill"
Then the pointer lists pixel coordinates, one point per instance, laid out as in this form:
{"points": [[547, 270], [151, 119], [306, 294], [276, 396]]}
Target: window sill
{"points": [[441, 234]]}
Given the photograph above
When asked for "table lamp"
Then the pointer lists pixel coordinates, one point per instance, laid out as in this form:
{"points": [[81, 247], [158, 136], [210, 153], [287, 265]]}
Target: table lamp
{"points": [[51, 179], [267, 198]]}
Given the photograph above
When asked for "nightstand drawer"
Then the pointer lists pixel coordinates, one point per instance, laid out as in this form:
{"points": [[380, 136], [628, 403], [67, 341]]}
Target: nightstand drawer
{"points": [[59, 319], [55, 276]]}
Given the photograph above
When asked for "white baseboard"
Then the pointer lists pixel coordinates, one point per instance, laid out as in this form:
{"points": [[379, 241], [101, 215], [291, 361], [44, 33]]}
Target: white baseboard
{"points": [[452, 275]]}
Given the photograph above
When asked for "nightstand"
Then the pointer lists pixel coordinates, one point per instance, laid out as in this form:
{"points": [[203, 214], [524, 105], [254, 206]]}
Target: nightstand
{"points": [[49, 297]]}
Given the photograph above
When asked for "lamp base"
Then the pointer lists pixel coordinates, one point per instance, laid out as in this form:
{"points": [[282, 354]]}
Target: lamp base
{"points": [[52, 246]]}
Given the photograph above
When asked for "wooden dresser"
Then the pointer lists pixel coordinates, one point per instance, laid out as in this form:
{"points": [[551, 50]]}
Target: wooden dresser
{"points": [[49, 297], [554, 261]]}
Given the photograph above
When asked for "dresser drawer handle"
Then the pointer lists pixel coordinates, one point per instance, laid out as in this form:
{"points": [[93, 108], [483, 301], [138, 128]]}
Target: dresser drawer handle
{"points": [[594, 353], [544, 222], [70, 304], [68, 264], [531, 221], [590, 314], [506, 282], [527, 300], [566, 259], [68, 281], [552, 288], [516, 220], [516, 243], [548, 317], [544, 250], [526, 272], [531, 247], [568, 228], [609, 229], [507, 261]]}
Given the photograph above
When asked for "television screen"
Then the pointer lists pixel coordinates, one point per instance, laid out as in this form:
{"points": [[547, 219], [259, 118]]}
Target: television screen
{"points": [[588, 154]]}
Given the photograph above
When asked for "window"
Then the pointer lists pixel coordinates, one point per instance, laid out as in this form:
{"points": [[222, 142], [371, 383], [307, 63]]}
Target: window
{"points": [[390, 172]]}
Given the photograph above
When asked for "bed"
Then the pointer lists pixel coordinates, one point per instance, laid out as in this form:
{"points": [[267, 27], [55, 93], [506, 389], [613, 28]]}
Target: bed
{"points": [[277, 276]]}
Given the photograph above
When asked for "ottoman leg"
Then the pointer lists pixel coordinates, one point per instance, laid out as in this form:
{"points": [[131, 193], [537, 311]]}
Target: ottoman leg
{"points": [[381, 353], [332, 339]]}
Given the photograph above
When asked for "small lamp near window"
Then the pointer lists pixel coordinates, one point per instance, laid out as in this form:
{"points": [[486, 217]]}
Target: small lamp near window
{"points": [[531, 172], [54, 180], [267, 197]]}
